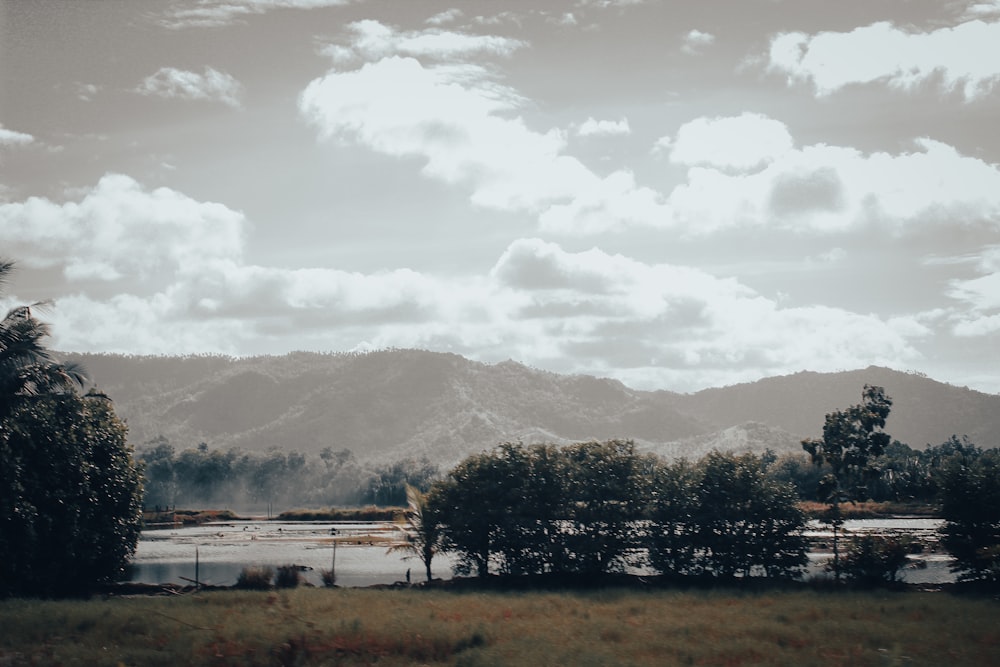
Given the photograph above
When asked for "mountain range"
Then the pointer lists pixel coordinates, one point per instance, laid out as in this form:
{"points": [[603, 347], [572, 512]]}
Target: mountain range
{"points": [[395, 404]]}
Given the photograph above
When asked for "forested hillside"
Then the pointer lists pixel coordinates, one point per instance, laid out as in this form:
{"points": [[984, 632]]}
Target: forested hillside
{"points": [[398, 404]]}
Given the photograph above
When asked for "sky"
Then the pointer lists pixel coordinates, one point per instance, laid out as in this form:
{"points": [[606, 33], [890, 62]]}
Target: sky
{"points": [[678, 195]]}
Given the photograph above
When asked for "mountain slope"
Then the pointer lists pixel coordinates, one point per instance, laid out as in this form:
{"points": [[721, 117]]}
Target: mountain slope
{"points": [[390, 404]]}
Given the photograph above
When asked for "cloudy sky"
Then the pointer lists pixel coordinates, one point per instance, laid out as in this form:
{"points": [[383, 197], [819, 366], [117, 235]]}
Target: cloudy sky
{"points": [[675, 194]]}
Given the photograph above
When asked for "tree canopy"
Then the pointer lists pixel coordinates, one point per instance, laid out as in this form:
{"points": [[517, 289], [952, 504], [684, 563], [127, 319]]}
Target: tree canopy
{"points": [[70, 493]]}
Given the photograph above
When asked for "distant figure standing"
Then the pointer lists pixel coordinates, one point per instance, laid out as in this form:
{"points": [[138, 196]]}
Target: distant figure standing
{"points": [[407, 575]]}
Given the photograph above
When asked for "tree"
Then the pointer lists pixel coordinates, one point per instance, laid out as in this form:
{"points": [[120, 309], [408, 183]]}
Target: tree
{"points": [[970, 504], [606, 486], [466, 500], [27, 367], [70, 496], [852, 438], [745, 522], [673, 504], [421, 529]]}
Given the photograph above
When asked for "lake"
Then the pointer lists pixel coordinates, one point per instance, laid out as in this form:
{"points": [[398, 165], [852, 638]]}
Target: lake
{"points": [[224, 549]]}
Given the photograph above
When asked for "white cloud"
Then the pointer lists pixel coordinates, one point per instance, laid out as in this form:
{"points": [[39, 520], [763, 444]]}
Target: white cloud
{"points": [[372, 40], [592, 128], [591, 311], [87, 91], [14, 138], [965, 57], [696, 41], [119, 230], [463, 124], [447, 16], [983, 10], [742, 142], [745, 172], [981, 295], [220, 13], [677, 319], [214, 85]]}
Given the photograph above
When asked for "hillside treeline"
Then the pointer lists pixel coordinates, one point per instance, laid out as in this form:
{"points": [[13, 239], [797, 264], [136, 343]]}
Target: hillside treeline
{"points": [[200, 477]]}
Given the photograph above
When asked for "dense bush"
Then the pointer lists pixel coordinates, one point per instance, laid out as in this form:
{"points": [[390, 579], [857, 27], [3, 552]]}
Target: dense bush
{"points": [[970, 504], [873, 560], [70, 496]]}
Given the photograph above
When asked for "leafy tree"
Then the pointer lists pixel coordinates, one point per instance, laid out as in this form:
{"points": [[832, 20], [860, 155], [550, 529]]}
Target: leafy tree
{"points": [[852, 438], [421, 529], [673, 505], [606, 487], [745, 522], [970, 504], [70, 496]]}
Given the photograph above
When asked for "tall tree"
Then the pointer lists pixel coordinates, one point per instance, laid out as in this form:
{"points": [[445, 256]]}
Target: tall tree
{"points": [[27, 367], [852, 438], [70, 493]]}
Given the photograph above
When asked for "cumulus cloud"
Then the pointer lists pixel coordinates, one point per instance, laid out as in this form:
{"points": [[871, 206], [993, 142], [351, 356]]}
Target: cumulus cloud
{"points": [[591, 311], [696, 42], [965, 57], [466, 125], [741, 142], [592, 127], [120, 229], [745, 171], [213, 85], [676, 319], [14, 138]]}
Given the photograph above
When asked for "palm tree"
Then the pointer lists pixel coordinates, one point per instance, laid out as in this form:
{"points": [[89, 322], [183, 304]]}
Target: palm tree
{"points": [[421, 530], [27, 367]]}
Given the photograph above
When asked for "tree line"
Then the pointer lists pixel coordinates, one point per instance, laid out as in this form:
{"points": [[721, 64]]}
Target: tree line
{"points": [[602, 507], [200, 477]]}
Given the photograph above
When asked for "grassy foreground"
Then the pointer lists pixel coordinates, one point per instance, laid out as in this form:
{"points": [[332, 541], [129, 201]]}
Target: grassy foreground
{"points": [[412, 626]]}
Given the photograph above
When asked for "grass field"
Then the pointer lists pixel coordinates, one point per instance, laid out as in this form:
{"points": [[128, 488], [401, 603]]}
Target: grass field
{"points": [[414, 626]]}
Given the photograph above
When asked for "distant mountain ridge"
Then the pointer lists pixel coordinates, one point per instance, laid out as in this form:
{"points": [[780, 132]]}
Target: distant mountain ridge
{"points": [[410, 403]]}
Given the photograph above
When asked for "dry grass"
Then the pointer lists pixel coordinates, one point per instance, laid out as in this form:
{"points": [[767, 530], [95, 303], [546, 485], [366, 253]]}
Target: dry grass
{"points": [[872, 510], [370, 513], [412, 626]]}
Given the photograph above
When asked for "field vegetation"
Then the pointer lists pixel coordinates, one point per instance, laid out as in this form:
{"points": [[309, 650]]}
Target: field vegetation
{"points": [[426, 626]]}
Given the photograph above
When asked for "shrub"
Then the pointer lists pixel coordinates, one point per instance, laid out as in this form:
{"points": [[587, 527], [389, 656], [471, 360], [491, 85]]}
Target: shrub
{"points": [[288, 576], [329, 578], [873, 560], [256, 578]]}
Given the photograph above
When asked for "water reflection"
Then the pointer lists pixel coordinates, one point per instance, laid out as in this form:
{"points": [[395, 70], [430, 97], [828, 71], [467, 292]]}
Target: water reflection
{"points": [[224, 549]]}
